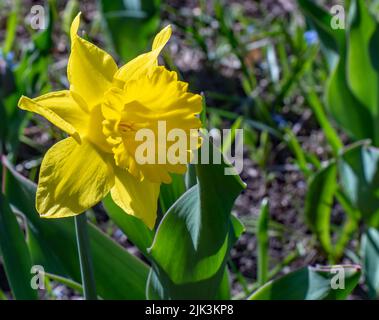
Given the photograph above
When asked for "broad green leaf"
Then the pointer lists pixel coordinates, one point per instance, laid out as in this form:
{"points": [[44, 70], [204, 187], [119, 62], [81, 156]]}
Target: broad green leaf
{"points": [[131, 24], [346, 109], [201, 225], [359, 176], [118, 274], [352, 64], [311, 283], [319, 202], [132, 227], [370, 257], [17, 261], [362, 36]]}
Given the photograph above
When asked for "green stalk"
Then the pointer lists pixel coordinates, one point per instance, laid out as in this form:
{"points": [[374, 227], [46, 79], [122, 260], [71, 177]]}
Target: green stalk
{"points": [[262, 243], [86, 267]]}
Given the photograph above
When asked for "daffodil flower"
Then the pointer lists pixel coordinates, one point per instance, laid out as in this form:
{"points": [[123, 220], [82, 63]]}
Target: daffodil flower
{"points": [[101, 112]]}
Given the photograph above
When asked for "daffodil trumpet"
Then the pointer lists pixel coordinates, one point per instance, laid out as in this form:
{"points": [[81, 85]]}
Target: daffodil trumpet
{"points": [[104, 112]]}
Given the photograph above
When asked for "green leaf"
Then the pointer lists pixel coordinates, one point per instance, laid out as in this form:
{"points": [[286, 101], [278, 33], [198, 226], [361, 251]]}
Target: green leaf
{"points": [[262, 242], [54, 243], [169, 193], [131, 24], [311, 283], [295, 146], [132, 227], [359, 176], [370, 257], [330, 133], [230, 138], [201, 225], [69, 13], [362, 76], [15, 254], [43, 40], [11, 28], [346, 109], [319, 202], [352, 93], [67, 282], [331, 39]]}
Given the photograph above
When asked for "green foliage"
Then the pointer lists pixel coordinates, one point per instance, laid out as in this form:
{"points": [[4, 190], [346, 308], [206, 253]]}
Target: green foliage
{"points": [[137, 232], [15, 253], [351, 92], [52, 244], [331, 39], [29, 77], [131, 25], [263, 243], [370, 257], [309, 284], [358, 167], [319, 203], [189, 249], [201, 225]]}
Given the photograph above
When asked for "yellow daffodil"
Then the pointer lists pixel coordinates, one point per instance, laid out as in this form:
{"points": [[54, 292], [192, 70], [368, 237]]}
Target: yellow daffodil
{"points": [[101, 112]]}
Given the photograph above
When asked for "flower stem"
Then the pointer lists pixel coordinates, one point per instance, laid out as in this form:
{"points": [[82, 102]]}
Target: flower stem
{"points": [[86, 267]]}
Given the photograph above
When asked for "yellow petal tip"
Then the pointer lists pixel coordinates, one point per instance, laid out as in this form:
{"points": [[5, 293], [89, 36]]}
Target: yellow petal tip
{"points": [[162, 38], [22, 102], [74, 27]]}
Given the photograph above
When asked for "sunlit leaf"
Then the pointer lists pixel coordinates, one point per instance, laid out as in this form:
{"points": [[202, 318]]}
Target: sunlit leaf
{"points": [[311, 284], [201, 225]]}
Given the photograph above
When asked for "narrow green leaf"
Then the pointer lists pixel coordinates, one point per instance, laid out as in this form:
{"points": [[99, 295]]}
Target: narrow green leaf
{"points": [[11, 28], [319, 202], [330, 133], [67, 282], [297, 150], [262, 243], [230, 138]]}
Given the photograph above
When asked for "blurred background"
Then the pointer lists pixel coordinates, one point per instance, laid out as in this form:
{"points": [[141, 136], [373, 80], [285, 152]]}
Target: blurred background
{"points": [[258, 65]]}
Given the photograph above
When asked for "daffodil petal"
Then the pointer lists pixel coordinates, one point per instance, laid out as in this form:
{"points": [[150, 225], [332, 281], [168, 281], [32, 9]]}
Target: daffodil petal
{"points": [[162, 38], [137, 198], [144, 62], [73, 178], [90, 70], [61, 109]]}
